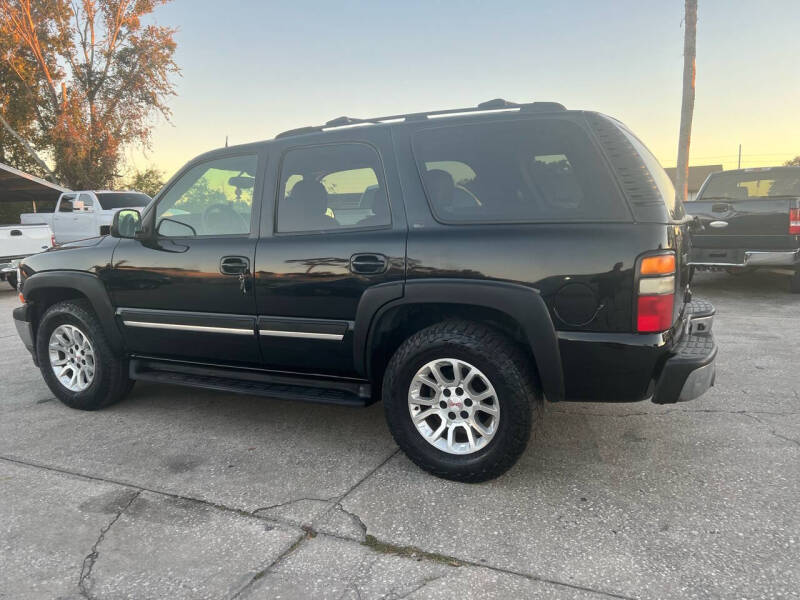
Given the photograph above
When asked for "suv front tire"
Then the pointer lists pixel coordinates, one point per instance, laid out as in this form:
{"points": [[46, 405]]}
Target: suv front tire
{"points": [[461, 400], [77, 363]]}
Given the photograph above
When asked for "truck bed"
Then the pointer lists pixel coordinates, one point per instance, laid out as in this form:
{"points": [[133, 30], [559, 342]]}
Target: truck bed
{"points": [[18, 241], [748, 218]]}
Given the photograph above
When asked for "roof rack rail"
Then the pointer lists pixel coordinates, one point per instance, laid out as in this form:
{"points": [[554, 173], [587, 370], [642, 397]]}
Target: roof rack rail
{"points": [[489, 105]]}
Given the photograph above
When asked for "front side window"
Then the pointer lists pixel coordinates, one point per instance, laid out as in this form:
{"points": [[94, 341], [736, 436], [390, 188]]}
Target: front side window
{"points": [[66, 203], [330, 188], [542, 170], [211, 198]]}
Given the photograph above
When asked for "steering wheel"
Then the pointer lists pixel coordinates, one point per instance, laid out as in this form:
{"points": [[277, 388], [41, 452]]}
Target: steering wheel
{"points": [[217, 210]]}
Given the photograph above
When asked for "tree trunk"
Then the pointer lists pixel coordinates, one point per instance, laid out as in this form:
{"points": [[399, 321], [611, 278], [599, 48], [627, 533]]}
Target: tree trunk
{"points": [[687, 103], [29, 148]]}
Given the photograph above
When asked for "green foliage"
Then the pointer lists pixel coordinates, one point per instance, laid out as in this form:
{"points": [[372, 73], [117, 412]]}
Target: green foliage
{"points": [[200, 196], [794, 162], [148, 181]]}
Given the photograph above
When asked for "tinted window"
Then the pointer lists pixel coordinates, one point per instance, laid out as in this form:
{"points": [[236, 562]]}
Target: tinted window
{"points": [[657, 172], [516, 171], [742, 185], [66, 204], [123, 200], [331, 187], [212, 198]]}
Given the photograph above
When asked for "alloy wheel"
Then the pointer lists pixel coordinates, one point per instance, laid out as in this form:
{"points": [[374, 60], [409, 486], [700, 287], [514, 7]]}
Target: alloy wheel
{"points": [[72, 358], [454, 406]]}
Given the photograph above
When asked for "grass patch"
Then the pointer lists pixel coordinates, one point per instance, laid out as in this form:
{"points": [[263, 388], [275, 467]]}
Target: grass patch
{"points": [[409, 552]]}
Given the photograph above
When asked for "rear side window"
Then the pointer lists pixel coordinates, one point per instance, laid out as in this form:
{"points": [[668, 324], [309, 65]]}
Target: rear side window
{"points": [[123, 200], [330, 188], [542, 170]]}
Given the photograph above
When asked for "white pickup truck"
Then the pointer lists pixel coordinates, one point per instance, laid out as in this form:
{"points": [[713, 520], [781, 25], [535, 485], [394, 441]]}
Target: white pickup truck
{"points": [[85, 214], [18, 242]]}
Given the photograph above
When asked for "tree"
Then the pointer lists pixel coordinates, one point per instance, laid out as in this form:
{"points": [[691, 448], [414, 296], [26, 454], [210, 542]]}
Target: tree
{"points": [[17, 124], [687, 102], [149, 181], [794, 162], [82, 79]]}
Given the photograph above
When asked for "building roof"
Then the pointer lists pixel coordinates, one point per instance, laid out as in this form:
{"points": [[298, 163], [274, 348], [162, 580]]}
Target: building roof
{"points": [[18, 186], [697, 175]]}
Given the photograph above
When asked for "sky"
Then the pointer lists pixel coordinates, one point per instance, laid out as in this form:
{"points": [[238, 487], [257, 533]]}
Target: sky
{"points": [[251, 69]]}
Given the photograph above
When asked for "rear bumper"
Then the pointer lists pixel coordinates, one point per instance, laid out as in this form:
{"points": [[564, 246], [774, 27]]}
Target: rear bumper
{"points": [[691, 370], [22, 322], [630, 367], [8, 265], [708, 257]]}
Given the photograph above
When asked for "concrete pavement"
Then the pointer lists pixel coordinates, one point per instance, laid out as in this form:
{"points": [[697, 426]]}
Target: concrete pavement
{"points": [[180, 493]]}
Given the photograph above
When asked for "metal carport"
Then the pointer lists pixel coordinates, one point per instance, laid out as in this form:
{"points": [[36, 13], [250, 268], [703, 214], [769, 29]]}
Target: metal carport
{"points": [[18, 186]]}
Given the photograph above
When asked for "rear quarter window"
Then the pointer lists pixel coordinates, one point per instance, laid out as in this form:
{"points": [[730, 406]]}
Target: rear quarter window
{"points": [[536, 170], [657, 172]]}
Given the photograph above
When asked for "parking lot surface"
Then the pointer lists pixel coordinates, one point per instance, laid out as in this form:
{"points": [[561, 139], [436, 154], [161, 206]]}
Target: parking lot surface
{"points": [[181, 493]]}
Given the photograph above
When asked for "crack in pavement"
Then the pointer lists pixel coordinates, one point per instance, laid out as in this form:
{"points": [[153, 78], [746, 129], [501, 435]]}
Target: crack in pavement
{"points": [[309, 531], [674, 411], [773, 431], [291, 549], [91, 558], [355, 518], [256, 512], [746, 413]]}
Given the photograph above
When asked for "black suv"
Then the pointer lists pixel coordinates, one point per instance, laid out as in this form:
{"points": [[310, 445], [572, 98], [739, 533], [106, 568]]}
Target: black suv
{"points": [[460, 265]]}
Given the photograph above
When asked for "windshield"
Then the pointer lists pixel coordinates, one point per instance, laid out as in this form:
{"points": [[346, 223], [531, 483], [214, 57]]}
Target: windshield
{"points": [[123, 200], [744, 185]]}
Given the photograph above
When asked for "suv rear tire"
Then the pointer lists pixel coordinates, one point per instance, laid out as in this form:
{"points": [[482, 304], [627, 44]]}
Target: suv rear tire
{"points": [[77, 363], [482, 388]]}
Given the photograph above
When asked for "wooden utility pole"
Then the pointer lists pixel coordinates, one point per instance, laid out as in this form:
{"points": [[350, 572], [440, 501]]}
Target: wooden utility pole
{"points": [[687, 103]]}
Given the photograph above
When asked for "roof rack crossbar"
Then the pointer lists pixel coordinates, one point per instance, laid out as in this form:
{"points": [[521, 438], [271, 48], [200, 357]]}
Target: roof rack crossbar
{"points": [[490, 105]]}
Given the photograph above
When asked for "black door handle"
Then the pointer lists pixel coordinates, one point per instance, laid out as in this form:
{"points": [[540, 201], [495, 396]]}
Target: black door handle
{"points": [[234, 265], [368, 264]]}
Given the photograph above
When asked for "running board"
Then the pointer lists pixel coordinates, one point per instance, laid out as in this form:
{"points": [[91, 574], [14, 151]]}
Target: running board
{"points": [[252, 382]]}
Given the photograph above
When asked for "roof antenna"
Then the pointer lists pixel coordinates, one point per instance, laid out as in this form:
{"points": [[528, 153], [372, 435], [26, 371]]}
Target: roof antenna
{"points": [[226, 141]]}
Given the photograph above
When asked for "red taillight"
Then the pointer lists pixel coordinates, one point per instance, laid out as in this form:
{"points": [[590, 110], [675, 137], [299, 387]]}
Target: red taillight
{"points": [[655, 293], [654, 313], [52, 239], [794, 221]]}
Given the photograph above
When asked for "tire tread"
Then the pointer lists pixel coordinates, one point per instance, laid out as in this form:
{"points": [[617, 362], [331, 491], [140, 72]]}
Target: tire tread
{"points": [[114, 383], [509, 360]]}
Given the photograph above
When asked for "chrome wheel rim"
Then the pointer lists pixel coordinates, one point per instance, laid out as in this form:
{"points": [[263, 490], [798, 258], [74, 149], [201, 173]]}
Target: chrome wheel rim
{"points": [[72, 358], [454, 406]]}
